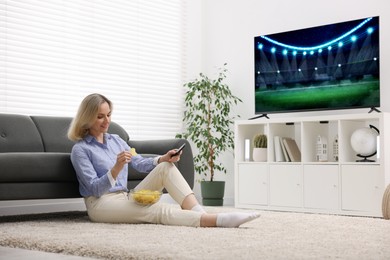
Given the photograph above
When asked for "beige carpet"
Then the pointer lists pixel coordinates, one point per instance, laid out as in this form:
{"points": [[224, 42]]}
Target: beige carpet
{"points": [[275, 235]]}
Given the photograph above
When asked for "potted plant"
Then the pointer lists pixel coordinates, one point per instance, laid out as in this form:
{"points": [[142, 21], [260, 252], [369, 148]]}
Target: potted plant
{"points": [[260, 148], [208, 123]]}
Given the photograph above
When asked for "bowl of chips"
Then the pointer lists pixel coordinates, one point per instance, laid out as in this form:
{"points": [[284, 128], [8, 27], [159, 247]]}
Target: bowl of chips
{"points": [[145, 197]]}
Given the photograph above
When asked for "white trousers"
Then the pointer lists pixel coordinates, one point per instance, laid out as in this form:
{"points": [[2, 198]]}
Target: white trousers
{"points": [[118, 208]]}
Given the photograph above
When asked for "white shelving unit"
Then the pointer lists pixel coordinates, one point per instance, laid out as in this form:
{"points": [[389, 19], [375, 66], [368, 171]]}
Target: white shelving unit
{"points": [[338, 186]]}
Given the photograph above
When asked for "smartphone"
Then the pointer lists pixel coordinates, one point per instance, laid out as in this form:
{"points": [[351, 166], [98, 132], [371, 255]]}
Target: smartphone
{"points": [[178, 150]]}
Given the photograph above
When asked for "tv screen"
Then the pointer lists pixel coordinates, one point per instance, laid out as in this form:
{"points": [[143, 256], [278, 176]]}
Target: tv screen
{"points": [[334, 66]]}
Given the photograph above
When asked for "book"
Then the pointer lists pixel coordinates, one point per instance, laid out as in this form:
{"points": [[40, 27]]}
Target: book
{"points": [[286, 157], [279, 156], [292, 149]]}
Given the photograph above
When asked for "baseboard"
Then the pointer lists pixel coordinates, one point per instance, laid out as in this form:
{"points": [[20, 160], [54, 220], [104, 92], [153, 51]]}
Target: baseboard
{"points": [[20, 207], [228, 201]]}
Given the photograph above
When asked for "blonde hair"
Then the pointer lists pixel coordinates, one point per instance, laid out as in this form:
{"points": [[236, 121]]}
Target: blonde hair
{"points": [[86, 116]]}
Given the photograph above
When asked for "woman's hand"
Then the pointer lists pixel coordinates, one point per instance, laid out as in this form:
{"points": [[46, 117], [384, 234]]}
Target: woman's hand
{"points": [[168, 157], [121, 159]]}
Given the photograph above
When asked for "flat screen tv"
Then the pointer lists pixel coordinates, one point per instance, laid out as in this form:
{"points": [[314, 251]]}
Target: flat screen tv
{"points": [[334, 66]]}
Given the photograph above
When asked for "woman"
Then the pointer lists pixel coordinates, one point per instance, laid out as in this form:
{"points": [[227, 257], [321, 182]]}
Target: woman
{"points": [[101, 163]]}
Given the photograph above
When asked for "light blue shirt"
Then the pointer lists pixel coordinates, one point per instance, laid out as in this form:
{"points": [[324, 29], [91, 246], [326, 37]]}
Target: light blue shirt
{"points": [[93, 162]]}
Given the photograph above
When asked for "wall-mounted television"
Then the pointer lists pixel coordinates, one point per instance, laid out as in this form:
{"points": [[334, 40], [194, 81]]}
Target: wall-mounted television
{"points": [[333, 66]]}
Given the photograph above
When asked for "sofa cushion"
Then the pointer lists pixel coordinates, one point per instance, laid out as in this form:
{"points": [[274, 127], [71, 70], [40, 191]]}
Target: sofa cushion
{"points": [[39, 190], [117, 129], [36, 167], [53, 132], [19, 134]]}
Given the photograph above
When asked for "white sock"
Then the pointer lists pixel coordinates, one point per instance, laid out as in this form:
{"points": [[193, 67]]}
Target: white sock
{"points": [[198, 208], [235, 219]]}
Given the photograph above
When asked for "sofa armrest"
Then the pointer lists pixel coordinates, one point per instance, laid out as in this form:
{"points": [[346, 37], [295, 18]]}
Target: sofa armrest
{"points": [[160, 147]]}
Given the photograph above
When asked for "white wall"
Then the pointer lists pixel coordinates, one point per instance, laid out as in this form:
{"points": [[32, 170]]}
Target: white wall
{"points": [[228, 28]]}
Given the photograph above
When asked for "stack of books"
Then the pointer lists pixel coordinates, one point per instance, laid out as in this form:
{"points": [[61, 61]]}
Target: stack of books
{"points": [[286, 150]]}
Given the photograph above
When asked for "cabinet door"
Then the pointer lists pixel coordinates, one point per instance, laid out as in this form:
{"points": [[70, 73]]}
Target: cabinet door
{"points": [[321, 189], [362, 188], [285, 184], [252, 184]]}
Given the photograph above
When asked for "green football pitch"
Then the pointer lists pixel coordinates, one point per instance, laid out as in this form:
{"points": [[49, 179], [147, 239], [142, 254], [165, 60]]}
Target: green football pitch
{"points": [[319, 97]]}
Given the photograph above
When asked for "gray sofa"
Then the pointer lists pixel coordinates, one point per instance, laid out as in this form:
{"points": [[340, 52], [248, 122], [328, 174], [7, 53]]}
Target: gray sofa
{"points": [[35, 157]]}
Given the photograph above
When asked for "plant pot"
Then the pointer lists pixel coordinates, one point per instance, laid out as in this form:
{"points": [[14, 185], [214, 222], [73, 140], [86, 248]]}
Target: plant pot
{"points": [[212, 192], [259, 154]]}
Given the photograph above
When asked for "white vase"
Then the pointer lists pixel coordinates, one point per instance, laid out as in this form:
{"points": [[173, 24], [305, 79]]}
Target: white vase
{"points": [[259, 154]]}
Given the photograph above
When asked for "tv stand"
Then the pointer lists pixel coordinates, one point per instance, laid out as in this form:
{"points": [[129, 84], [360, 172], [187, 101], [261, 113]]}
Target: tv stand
{"points": [[262, 115], [344, 183], [374, 109]]}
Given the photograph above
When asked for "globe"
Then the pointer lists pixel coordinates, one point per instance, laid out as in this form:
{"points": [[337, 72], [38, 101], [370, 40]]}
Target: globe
{"points": [[363, 141]]}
